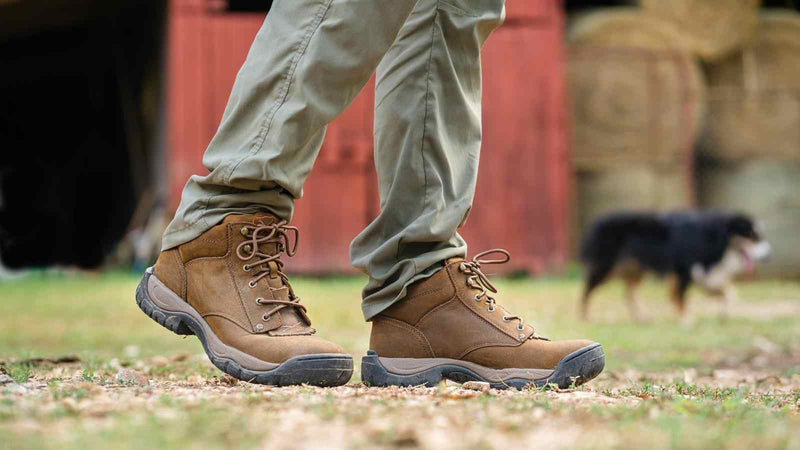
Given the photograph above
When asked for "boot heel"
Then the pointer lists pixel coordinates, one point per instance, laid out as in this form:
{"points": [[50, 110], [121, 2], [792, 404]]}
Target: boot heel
{"points": [[172, 322], [374, 374]]}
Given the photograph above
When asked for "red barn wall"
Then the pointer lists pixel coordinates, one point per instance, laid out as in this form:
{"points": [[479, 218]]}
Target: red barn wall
{"points": [[522, 197]]}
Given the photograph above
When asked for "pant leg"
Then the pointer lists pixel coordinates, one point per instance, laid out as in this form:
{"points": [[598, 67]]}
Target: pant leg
{"points": [[427, 145], [307, 63]]}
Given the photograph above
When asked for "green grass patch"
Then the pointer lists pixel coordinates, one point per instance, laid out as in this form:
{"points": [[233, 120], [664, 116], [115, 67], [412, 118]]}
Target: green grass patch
{"points": [[95, 317]]}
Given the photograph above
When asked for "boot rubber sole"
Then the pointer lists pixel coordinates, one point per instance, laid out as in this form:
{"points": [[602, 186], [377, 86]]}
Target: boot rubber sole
{"points": [[576, 368], [176, 315]]}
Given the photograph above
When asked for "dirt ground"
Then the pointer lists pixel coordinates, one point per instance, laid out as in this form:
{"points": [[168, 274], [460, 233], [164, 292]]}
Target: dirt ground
{"points": [[96, 373], [71, 406]]}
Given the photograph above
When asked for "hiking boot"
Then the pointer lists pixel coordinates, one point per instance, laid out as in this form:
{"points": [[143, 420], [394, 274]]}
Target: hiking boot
{"points": [[227, 288], [449, 326]]}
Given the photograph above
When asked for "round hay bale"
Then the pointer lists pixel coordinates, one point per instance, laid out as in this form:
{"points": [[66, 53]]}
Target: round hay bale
{"points": [[636, 96], [633, 188], [712, 29], [769, 191], [755, 95], [625, 27]]}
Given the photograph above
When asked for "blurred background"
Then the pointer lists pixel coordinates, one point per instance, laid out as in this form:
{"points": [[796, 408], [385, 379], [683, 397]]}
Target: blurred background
{"points": [[589, 107]]}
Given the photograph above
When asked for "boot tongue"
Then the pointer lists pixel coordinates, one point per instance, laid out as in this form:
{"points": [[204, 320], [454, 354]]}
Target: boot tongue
{"points": [[294, 321]]}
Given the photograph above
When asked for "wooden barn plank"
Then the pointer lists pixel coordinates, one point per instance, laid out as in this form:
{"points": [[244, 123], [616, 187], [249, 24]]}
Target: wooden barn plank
{"points": [[524, 154]]}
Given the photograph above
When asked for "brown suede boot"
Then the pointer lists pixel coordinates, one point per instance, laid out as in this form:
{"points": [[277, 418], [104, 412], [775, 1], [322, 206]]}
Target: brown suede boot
{"points": [[448, 326], [227, 288]]}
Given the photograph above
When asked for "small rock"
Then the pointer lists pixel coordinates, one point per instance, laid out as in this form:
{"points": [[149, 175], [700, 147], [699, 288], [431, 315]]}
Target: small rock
{"points": [[179, 357], [5, 379], [196, 379], [131, 377], [476, 386], [14, 388], [159, 361], [765, 345], [577, 395], [131, 351]]}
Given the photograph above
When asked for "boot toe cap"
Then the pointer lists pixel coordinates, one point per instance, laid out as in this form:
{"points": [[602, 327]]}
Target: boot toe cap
{"points": [[280, 349], [533, 354]]}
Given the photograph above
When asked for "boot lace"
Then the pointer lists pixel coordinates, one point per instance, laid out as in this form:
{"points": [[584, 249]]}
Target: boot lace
{"points": [[276, 233], [478, 280]]}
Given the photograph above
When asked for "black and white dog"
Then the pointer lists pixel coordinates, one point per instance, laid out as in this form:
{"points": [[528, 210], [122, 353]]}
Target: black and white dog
{"points": [[708, 248]]}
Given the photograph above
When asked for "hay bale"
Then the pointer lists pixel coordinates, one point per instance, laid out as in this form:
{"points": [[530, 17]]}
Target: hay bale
{"points": [[768, 190], [632, 188], [712, 29], [625, 27], [636, 96], [755, 95]]}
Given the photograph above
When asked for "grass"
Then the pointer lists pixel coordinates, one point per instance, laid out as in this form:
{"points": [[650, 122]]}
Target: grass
{"points": [[733, 384]]}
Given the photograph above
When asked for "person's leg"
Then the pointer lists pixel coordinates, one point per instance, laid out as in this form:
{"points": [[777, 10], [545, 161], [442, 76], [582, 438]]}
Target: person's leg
{"points": [[307, 63], [220, 276], [427, 145], [433, 313]]}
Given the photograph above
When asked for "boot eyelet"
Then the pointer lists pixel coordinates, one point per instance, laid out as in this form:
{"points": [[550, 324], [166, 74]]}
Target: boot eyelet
{"points": [[246, 268], [252, 284], [477, 297], [259, 326], [491, 308], [520, 327], [521, 336], [247, 248], [265, 318], [245, 231], [259, 301], [505, 318]]}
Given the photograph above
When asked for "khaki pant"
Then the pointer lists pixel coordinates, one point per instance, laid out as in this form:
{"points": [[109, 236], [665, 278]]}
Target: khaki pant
{"points": [[307, 63]]}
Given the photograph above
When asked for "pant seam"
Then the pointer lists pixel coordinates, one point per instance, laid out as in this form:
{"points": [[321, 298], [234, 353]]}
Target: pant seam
{"points": [[282, 96], [425, 124]]}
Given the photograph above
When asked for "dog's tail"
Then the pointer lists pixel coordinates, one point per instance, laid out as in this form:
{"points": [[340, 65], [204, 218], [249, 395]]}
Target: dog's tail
{"points": [[615, 233]]}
